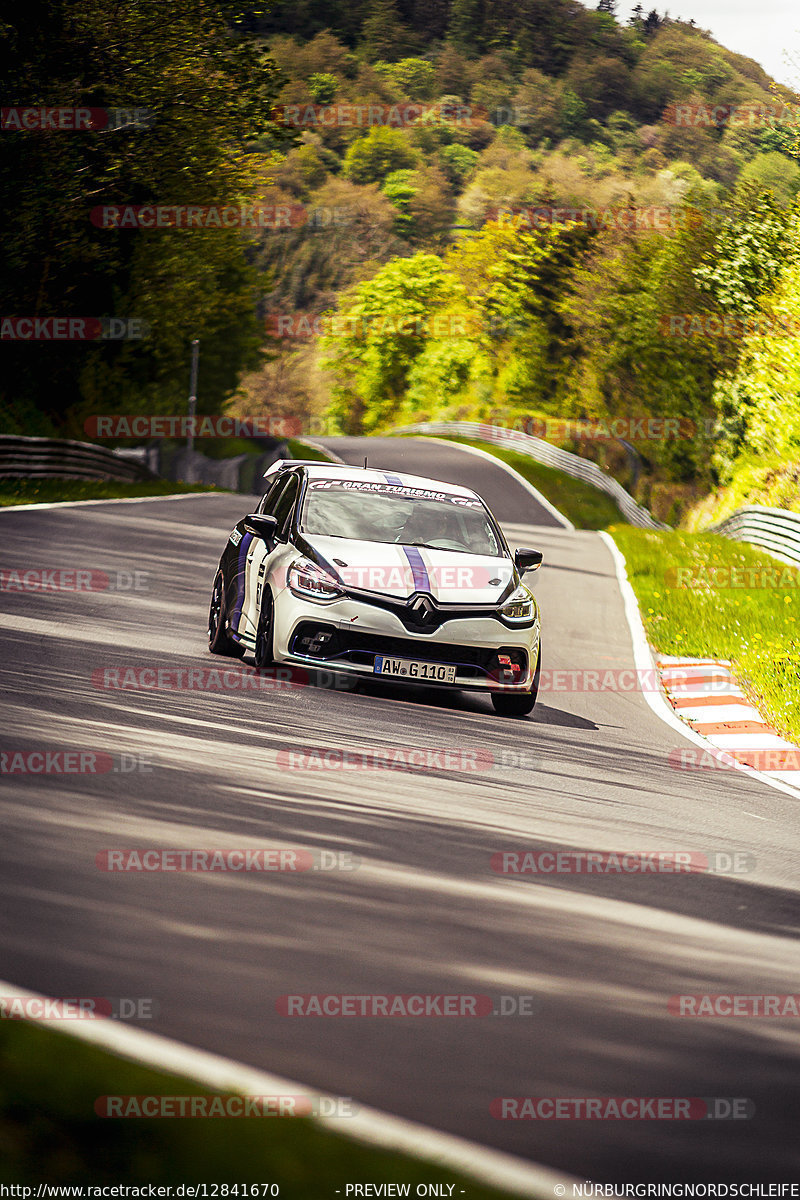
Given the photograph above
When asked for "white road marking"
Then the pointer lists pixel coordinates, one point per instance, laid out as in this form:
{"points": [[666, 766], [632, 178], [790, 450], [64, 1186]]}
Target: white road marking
{"points": [[367, 1125], [509, 470], [123, 500]]}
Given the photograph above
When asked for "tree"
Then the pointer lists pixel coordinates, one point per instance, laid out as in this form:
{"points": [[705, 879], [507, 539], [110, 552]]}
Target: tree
{"points": [[379, 331], [458, 162], [384, 35], [210, 90], [372, 157], [322, 87], [414, 77]]}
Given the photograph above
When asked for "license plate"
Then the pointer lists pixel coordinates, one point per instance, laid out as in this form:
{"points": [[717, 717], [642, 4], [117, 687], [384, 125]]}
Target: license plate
{"points": [[409, 668]]}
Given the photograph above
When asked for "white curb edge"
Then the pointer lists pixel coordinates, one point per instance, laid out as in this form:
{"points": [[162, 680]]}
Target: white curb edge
{"points": [[369, 1125], [644, 661]]}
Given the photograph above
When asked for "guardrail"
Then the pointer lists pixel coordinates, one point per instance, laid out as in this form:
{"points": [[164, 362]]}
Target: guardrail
{"points": [[54, 458], [775, 529], [549, 456]]}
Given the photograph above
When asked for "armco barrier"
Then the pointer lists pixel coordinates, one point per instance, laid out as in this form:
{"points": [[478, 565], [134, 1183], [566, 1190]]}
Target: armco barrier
{"points": [[54, 458], [775, 529], [549, 456]]}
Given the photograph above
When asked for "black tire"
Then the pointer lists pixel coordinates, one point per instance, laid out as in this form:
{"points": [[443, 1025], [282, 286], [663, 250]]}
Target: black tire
{"points": [[219, 640], [263, 651], [519, 704]]}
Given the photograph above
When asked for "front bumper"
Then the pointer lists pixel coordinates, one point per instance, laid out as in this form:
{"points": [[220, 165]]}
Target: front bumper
{"points": [[347, 634]]}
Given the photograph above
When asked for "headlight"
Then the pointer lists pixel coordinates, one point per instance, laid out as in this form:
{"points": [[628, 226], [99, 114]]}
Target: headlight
{"points": [[307, 579], [519, 607]]}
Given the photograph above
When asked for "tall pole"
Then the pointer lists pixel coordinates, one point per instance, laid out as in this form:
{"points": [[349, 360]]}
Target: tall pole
{"points": [[193, 393]]}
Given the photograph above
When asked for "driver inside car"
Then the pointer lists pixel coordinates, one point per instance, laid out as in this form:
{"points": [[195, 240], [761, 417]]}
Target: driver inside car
{"points": [[426, 526]]}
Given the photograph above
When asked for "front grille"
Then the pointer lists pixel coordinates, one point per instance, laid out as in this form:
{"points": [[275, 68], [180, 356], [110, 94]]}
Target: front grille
{"points": [[356, 647]]}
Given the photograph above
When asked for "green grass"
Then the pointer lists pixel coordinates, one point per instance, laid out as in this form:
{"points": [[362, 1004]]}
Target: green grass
{"points": [[756, 627], [583, 505], [49, 1131], [49, 491], [300, 449], [219, 448]]}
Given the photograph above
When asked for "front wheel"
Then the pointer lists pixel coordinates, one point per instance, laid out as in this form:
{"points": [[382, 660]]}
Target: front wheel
{"points": [[219, 640], [519, 704]]}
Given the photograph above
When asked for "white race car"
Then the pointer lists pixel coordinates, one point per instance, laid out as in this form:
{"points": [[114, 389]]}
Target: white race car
{"points": [[382, 575]]}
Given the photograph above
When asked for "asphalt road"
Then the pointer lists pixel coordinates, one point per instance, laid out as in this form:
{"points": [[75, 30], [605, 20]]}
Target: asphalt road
{"points": [[600, 955]]}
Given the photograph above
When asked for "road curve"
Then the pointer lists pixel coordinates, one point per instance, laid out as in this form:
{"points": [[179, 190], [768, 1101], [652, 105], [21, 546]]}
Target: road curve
{"points": [[425, 912]]}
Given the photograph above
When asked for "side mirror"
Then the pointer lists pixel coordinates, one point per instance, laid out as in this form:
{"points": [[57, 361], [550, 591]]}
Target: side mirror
{"points": [[527, 560], [261, 525]]}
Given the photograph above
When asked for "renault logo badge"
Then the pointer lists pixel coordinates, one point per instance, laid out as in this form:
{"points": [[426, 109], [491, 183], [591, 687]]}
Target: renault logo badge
{"points": [[423, 610]]}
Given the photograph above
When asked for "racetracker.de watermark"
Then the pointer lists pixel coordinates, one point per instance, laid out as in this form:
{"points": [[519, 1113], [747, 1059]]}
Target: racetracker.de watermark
{"points": [[225, 1105], [392, 1004], [622, 1108], [258, 859], [198, 679], [199, 216], [640, 429], [738, 578], [728, 325], [697, 758], [621, 679], [693, 116], [729, 1004], [73, 329], [365, 116], [77, 1008], [37, 119], [301, 326], [140, 425], [628, 219], [48, 761], [71, 579], [386, 758], [534, 863]]}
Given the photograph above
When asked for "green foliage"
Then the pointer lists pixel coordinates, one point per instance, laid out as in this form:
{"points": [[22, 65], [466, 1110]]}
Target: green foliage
{"points": [[399, 189], [322, 87], [757, 628], [415, 78], [385, 36], [458, 162], [210, 93], [773, 171], [759, 402], [748, 253], [380, 152], [381, 328]]}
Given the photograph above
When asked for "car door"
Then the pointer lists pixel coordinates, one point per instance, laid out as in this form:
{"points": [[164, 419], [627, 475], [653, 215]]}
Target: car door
{"points": [[259, 555]]}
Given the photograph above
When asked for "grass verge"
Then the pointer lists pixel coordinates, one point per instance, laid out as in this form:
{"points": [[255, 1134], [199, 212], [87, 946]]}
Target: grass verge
{"points": [[50, 491], [299, 449], [704, 595], [49, 1131], [583, 505]]}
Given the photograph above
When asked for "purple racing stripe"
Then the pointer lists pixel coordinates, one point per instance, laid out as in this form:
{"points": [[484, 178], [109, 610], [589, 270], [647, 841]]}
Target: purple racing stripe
{"points": [[240, 578], [418, 569]]}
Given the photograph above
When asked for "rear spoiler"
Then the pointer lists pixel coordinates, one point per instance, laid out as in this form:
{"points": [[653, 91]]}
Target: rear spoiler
{"points": [[284, 464]]}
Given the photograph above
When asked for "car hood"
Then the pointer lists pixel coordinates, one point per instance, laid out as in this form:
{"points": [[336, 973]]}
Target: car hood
{"points": [[400, 571]]}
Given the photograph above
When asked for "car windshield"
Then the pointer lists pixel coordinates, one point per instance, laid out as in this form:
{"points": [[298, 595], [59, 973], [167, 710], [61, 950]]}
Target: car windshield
{"points": [[409, 516]]}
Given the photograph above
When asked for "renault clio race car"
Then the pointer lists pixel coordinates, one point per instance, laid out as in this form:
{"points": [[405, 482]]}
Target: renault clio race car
{"points": [[382, 575]]}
